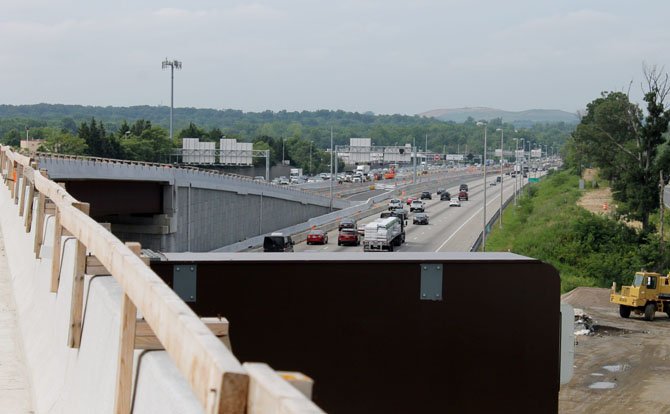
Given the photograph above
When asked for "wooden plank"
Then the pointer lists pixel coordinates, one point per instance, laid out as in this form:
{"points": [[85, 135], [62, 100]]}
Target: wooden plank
{"points": [[39, 225], [124, 368], [77, 299], [216, 377], [146, 339], [269, 393], [56, 253], [22, 196], [29, 207], [17, 180]]}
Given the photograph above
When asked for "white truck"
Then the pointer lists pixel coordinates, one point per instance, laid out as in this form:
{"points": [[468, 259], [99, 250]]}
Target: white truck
{"points": [[295, 174], [363, 169], [383, 234]]}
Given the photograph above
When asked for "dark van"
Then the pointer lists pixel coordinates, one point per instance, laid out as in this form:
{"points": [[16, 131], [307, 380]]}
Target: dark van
{"points": [[277, 242]]}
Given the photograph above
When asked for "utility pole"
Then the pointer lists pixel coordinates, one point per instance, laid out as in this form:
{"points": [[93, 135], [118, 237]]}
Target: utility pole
{"points": [[484, 224], [502, 153], [173, 64], [310, 157], [331, 169], [414, 158]]}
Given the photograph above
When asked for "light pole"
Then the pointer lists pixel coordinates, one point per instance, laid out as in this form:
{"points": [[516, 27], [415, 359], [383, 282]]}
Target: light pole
{"points": [[502, 152], [516, 164], [310, 156], [331, 169], [484, 226], [173, 64]]}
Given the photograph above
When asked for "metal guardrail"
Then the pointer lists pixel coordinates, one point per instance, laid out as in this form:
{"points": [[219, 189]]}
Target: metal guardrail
{"points": [[478, 242]]}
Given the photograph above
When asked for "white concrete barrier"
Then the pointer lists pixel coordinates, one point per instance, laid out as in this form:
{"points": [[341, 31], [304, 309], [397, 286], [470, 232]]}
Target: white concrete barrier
{"points": [[71, 380]]}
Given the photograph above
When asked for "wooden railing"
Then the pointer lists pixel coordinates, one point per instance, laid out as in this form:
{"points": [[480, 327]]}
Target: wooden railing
{"points": [[216, 377]]}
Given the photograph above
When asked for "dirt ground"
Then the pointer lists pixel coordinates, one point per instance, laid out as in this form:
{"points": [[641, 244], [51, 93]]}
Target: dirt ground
{"points": [[599, 200], [624, 367]]}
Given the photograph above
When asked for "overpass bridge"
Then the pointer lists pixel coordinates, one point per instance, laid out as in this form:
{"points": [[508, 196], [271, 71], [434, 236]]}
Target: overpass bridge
{"points": [[104, 331], [173, 209]]}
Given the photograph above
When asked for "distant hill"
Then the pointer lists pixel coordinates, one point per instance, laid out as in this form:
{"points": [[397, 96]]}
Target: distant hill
{"points": [[520, 118]]}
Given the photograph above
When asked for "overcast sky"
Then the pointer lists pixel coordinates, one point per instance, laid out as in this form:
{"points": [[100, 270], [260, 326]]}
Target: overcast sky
{"points": [[385, 56]]}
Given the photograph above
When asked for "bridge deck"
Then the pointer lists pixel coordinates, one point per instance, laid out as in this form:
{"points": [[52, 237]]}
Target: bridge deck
{"points": [[15, 393]]}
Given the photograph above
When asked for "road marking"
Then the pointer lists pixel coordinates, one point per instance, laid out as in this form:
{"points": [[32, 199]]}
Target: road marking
{"points": [[466, 222]]}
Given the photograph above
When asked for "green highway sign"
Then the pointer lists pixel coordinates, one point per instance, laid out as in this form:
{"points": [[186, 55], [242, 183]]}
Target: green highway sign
{"points": [[533, 180]]}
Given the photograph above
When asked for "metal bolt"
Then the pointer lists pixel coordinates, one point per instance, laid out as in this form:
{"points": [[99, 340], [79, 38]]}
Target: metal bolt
{"points": [[423, 294], [191, 269], [177, 269], [425, 268], [438, 268], [192, 298]]}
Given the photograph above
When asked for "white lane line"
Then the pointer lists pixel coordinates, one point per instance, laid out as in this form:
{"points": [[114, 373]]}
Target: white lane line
{"points": [[461, 226]]}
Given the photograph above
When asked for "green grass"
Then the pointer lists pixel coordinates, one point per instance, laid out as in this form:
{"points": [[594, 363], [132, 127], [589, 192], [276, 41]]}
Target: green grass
{"points": [[587, 249]]}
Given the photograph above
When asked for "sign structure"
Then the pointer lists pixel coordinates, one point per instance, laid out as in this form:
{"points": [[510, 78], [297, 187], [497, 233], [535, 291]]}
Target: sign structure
{"points": [[536, 153], [520, 154], [455, 157]]}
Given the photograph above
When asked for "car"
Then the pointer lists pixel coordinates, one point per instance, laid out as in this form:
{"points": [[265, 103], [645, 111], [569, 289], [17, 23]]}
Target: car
{"points": [[462, 195], [347, 223], [401, 213], [317, 236], [445, 196], [493, 183], [348, 236], [395, 203], [426, 196], [361, 229], [455, 202], [463, 187], [410, 199], [277, 242], [440, 191], [417, 205], [498, 179], [420, 218], [259, 178]]}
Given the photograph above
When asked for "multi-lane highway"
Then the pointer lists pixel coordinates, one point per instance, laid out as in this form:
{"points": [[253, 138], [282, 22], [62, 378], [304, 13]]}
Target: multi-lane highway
{"points": [[450, 228]]}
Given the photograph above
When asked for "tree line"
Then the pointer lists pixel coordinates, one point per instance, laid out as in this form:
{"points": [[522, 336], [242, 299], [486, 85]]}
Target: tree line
{"points": [[629, 146], [290, 136]]}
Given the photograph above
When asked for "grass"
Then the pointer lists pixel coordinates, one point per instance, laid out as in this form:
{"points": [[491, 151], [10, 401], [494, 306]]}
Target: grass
{"points": [[587, 249]]}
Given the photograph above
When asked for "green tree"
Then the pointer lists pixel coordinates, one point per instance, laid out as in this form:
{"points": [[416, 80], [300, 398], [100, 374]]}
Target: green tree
{"points": [[151, 145], [64, 143], [616, 137], [192, 131], [98, 143]]}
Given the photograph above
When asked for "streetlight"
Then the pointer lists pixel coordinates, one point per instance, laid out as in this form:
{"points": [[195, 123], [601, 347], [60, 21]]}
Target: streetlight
{"points": [[310, 156], [484, 226], [173, 64], [501, 173]]}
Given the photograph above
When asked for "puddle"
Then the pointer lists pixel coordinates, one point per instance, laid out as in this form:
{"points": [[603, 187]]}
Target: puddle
{"points": [[616, 368], [597, 374], [602, 385], [604, 330]]}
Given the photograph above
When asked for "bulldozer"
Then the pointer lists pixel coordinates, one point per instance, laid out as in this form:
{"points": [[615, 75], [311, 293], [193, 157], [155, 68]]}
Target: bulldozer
{"points": [[649, 293]]}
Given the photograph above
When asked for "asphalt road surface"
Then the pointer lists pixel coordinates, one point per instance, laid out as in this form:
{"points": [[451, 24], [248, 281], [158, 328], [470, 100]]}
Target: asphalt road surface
{"points": [[451, 228]]}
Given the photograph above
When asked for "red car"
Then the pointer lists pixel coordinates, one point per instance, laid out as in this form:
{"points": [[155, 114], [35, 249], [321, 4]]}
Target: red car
{"points": [[317, 237], [410, 199], [349, 236]]}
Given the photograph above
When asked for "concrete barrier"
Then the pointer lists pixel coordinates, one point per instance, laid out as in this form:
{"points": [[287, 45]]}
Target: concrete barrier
{"points": [[71, 380]]}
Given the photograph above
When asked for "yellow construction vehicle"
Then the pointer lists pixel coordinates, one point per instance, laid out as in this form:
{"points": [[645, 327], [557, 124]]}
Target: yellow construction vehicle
{"points": [[649, 293]]}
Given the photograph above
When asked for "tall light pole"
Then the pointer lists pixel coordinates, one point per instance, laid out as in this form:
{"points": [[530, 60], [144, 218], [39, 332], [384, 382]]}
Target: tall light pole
{"points": [[484, 226], [502, 152], [310, 156], [173, 64], [516, 163], [331, 169]]}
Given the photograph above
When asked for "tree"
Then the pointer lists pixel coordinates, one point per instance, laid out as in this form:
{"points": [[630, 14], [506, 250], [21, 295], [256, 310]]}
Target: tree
{"points": [[615, 136], [64, 143], [192, 131], [99, 144], [151, 145]]}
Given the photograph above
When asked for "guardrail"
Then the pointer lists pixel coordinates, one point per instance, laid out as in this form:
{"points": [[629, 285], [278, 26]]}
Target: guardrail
{"points": [[215, 376], [478, 242]]}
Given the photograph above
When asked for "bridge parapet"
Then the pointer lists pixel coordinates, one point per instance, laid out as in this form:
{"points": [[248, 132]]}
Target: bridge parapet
{"points": [[216, 378]]}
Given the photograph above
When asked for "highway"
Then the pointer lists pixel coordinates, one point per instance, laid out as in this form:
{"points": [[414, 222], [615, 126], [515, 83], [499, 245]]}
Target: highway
{"points": [[452, 229]]}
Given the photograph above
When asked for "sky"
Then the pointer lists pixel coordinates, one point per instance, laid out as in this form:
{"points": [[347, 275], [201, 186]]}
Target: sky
{"points": [[384, 56]]}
